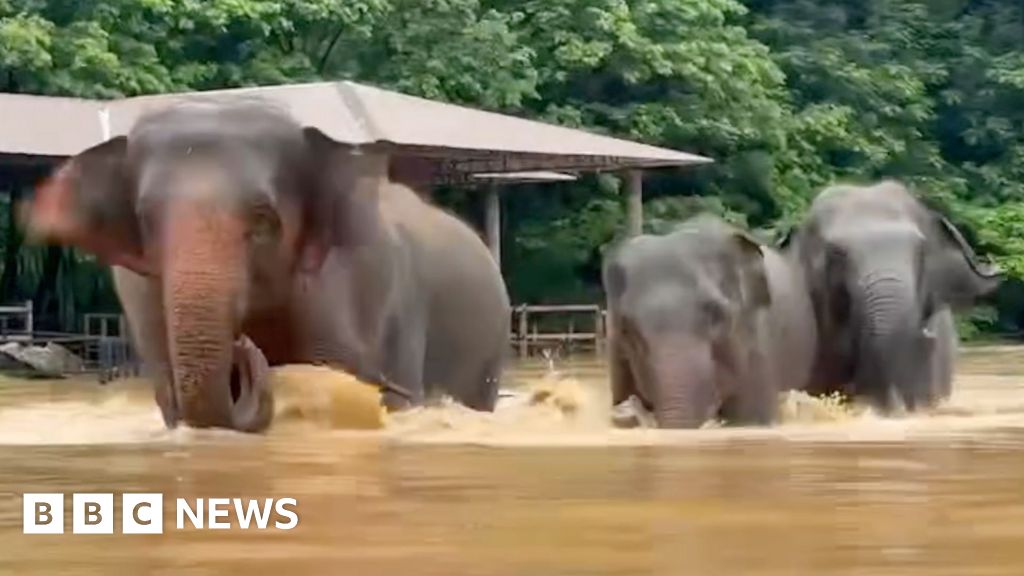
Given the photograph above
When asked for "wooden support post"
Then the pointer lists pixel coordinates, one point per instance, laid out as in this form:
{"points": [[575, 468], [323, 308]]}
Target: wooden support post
{"points": [[572, 332], [523, 327], [492, 222], [29, 319], [634, 202]]}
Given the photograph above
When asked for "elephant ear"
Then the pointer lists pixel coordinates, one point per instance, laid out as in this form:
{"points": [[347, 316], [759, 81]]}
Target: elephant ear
{"points": [[342, 195], [953, 268], [89, 203], [753, 276], [785, 236]]}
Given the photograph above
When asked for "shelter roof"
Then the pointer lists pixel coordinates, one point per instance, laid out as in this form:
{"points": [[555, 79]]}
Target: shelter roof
{"points": [[458, 142]]}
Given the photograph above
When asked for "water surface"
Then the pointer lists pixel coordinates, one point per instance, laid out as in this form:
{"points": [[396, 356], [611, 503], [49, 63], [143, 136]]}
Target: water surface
{"points": [[539, 489]]}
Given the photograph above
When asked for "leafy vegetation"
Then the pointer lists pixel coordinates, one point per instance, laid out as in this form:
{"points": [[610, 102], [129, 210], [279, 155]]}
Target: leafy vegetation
{"points": [[786, 95]]}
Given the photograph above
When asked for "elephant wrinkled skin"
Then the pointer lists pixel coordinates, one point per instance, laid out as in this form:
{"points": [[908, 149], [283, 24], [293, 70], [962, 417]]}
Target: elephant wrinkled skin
{"points": [[705, 322], [240, 239], [885, 274]]}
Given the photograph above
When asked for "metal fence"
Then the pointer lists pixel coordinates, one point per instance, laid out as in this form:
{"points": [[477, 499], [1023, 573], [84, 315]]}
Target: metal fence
{"points": [[104, 346], [571, 328]]}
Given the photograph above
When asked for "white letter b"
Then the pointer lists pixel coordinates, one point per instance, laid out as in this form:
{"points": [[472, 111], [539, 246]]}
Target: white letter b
{"points": [[42, 514], [92, 514]]}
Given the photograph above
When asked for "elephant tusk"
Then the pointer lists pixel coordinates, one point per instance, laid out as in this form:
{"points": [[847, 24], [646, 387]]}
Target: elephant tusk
{"points": [[380, 381], [928, 333], [254, 409], [388, 386]]}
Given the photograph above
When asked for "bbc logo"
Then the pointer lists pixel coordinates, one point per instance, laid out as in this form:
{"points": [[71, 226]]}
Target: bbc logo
{"points": [[144, 513], [93, 513]]}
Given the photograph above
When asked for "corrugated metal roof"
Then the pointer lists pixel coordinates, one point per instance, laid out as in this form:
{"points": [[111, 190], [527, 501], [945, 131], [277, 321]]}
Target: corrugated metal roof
{"points": [[318, 104], [416, 122], [465, 141]]}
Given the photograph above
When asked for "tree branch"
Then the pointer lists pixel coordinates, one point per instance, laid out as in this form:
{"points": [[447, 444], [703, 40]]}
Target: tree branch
{"points": [[327, 53]]}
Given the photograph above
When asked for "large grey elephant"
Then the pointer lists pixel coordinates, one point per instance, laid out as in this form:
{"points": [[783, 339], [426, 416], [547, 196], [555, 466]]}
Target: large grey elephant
{"points": [[705, 322], [885, 274], [241, 239]]}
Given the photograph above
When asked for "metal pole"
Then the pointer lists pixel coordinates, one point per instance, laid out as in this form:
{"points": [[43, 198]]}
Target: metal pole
{"points": [[634, 203], [523, 331], [492, 222]]}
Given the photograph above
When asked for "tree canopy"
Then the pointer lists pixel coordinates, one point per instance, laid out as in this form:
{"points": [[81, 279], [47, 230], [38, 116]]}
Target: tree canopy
{"points": [[786, 95]]}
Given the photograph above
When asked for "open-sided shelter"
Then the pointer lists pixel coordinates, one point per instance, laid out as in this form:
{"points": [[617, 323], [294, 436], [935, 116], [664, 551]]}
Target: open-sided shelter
{"points": [[429, 142]]}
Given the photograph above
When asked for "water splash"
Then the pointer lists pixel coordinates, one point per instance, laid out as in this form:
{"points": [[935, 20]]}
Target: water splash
{"points": [[551, 404], [557, 406]]}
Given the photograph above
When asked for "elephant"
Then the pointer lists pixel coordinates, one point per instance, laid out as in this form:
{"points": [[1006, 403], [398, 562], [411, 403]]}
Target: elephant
{"points": [[885, 273], [240, 239], [706, 322]]}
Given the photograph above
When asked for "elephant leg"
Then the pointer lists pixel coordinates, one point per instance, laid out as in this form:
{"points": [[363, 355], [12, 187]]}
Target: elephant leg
{"points": [[831, 370], [943, 361], [143, 306], [465, 364], [621, 374], [883, 398], [915, 390], [404, 354], [931, 381], [474, 385], [485, 389], [755, 405], [921, 391], [755, 400], [871, 385]]}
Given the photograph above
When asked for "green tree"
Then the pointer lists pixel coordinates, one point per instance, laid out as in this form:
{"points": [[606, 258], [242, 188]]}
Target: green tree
{"points": [[787, 96]]}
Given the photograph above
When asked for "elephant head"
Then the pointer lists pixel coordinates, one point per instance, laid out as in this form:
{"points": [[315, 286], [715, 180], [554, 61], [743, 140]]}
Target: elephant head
{"points": [[684, 310], [880, 265], [221, 205]]}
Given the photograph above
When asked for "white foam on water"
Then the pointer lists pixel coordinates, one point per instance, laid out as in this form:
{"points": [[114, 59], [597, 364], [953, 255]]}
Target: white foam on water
{"points": [[988, 404], [550, 410], [115, 420]]}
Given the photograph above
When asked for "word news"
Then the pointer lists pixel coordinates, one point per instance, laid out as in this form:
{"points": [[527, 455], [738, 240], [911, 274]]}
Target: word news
{"points": [[144, 513]]}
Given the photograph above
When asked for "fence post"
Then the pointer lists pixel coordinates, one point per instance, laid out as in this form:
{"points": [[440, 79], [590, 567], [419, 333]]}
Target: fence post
{"points": [[522, 331]]}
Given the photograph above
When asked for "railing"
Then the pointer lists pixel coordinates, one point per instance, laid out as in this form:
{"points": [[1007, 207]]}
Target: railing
{"points": [[22, 319], [110, 349], [527, 335], [104, 348]]}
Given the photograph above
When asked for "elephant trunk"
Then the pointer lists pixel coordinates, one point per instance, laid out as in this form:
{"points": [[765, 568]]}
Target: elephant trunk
{"points": [[890, 337], [203, 275], [685, 394], [888, 304]]}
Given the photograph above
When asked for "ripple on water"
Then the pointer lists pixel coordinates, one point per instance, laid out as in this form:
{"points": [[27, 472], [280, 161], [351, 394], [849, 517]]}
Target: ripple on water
{"points": [[930, 494], [544, 410]]}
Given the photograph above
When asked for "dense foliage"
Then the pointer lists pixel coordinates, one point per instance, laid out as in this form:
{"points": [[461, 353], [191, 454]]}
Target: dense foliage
{"points": [[786, 95]]}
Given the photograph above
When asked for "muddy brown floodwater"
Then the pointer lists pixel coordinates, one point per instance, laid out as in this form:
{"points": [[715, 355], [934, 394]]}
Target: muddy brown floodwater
{"points": [[539, 489]]}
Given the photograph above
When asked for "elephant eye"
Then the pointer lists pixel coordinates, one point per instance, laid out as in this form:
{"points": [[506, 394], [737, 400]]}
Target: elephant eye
{"points": [[834, 255], [713, 313], [263, 226]]}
